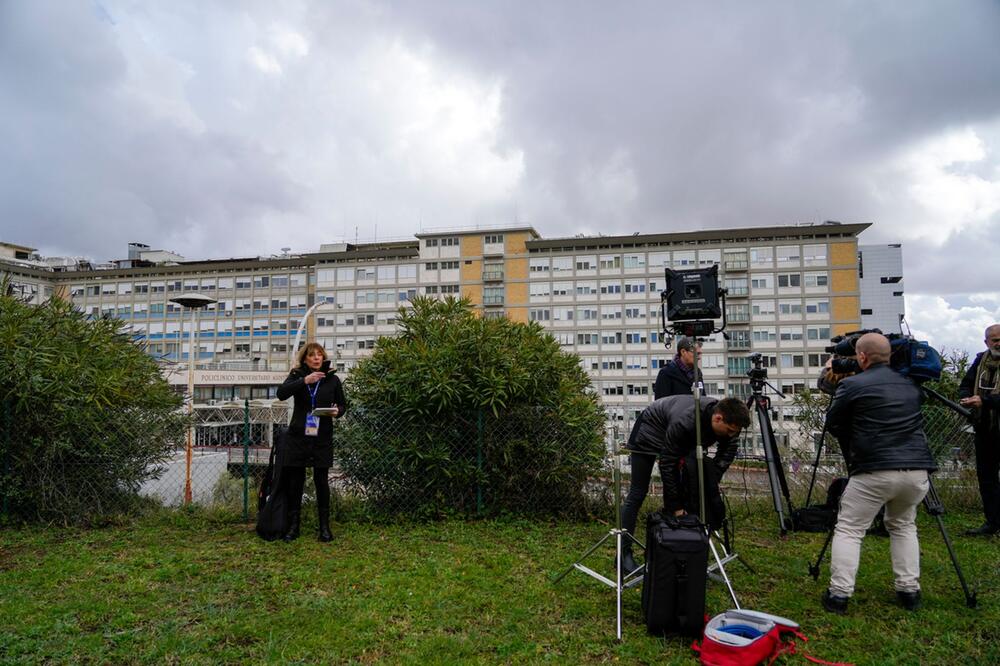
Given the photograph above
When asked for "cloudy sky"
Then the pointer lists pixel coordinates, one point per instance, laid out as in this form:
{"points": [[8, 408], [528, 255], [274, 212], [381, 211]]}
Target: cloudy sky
{"points": [[220, 129]]}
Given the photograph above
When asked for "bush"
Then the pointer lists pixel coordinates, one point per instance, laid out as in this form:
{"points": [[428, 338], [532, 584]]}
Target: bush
{"points": [[460, 414], [86, 415]]}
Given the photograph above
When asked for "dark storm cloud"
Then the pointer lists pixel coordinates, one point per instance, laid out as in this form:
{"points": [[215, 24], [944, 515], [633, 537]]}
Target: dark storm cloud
{"points": [[219, 129], [731, 113], [89, 164]]}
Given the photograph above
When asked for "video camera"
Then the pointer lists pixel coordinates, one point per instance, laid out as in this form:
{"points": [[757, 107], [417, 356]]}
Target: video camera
{"points": [[908, 356], [758, 373]]}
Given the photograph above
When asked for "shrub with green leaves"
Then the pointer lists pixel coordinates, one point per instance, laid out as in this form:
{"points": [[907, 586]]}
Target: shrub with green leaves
{"points": [[86, 416], [461, 414]]}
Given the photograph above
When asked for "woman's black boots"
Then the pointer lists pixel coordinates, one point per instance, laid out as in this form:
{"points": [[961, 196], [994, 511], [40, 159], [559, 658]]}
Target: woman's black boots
{"points": [[293, 526], [324, 524]]}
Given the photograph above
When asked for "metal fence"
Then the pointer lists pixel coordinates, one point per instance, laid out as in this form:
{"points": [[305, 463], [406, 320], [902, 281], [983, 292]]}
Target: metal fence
{"points": [[811, 459], [525, 461]]}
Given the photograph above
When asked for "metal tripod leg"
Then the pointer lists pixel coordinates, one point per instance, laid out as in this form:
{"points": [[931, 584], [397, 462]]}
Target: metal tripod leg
{"points": [[970, 596], [623, 579], [727, 557], [934, 506], [814, 568], [722, 570]]}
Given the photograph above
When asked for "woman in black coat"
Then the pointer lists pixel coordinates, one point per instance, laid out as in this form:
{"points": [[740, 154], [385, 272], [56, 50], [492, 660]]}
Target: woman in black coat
{"points": [[309, 442]]}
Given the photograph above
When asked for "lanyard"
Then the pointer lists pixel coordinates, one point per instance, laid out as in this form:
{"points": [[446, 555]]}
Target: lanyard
{"points": [[312, 392]]}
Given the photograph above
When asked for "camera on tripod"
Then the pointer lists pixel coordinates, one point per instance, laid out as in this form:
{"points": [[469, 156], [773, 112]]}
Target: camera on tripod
{"points": [[913, 358], [842, 348], [758, 373]]}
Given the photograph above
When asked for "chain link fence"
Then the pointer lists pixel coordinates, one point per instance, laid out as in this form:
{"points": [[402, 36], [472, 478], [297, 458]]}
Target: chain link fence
{"points": [[811, 459], [525, 461]]}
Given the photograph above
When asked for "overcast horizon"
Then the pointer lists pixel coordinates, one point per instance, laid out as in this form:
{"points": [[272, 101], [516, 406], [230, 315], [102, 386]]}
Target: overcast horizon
{"points": [[217, 129]]}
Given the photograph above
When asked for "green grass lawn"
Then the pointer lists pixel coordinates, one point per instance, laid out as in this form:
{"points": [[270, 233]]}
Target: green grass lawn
{"points": [[195, 588]]}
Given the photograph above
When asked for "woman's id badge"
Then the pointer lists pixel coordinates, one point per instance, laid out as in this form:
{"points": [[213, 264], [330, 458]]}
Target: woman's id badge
{"points": [[312, 425]]}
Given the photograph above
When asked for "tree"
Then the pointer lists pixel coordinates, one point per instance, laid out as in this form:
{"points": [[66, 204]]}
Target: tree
{"points": [[460, 412], [949, 435], [86, 415]]}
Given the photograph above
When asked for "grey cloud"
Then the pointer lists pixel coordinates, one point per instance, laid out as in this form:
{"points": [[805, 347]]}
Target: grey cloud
{"points": [[89, 165], [646, 116]]}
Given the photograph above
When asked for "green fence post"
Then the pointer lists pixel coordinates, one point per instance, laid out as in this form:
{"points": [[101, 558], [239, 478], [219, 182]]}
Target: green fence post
{"points": [[479, 461], [246, 459], [5, 480]]}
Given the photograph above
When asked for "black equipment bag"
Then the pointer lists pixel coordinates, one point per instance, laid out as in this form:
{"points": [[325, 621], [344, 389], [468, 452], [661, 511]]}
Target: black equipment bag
{"points": [[820, 517], [673, 587], [814, 518], [272, 506]]}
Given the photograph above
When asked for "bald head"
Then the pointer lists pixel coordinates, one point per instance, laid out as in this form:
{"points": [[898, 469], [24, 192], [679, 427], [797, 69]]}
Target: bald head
{"points": [[872, 348], [992, 332]]}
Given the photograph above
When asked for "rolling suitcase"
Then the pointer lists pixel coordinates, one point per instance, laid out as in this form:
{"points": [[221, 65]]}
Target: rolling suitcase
{"points": [[673, 588]]}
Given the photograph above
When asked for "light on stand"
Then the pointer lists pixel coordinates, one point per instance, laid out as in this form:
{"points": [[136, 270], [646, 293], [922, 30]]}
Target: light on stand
{"points": [[192, 302], [691, 301]]}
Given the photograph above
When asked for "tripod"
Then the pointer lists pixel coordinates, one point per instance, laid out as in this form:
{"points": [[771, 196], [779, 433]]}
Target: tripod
{"points": [[775, 472], [932, 503], [623, 579]]}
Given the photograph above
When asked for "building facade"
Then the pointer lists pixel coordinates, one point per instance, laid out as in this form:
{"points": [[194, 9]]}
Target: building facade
{"points": [[880, 268], [790, 289]]}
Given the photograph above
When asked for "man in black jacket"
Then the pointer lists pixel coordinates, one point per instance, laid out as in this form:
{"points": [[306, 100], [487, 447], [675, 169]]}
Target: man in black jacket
{"points": [[875, 415], [980, 391], [665, 432], [677, 376]]}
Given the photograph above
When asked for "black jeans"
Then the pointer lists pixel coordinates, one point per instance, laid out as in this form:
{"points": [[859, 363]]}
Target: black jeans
{"points": [[988, 473], [294, 480], [642, 471]]}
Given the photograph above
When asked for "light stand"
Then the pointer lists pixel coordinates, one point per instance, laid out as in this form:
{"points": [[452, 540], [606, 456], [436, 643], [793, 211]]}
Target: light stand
{"points": [[691, 301], [623, 579], [192, 302], [699, 454]]}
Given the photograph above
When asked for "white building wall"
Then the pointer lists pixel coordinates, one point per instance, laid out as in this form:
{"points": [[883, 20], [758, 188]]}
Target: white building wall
{"points": [[881, 271]]}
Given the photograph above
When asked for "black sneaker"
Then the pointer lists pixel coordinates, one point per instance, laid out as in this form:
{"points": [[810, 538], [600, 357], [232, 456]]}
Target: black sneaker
{"points": [[833, 603], [986, 529], [908, 600]]}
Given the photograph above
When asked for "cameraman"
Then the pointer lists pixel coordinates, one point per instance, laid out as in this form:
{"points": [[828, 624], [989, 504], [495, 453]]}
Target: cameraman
{"points": [[980, 390], [666, 430], [875, 415]]}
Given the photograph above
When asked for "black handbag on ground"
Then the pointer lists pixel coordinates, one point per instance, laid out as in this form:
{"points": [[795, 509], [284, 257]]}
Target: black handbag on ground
{"points": [[272, 506], [820, 517], [673, 588]]}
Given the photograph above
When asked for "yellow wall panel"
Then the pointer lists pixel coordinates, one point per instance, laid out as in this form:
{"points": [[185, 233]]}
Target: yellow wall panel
{"points": [[518, 314], [844, 279], [516, 294], [472, 246], [515, 243], [474, 292], [844, 254], [473, 271], [846, 307], [841, 329], [516, 269]]}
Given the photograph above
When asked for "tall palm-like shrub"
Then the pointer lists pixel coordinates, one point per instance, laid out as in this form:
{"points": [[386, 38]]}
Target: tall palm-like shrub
{"points": [[464, 414], [85, 416]]}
